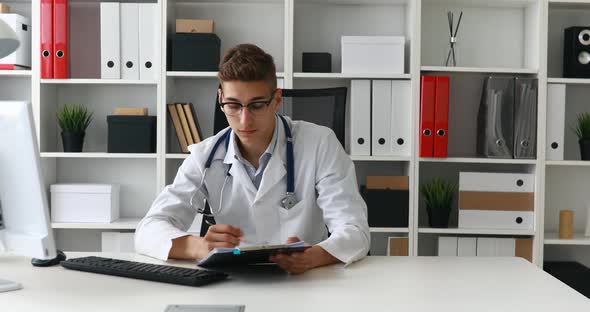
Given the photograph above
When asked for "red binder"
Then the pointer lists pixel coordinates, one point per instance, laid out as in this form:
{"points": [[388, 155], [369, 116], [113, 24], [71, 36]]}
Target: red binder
{"points": [[441, 117], [60, 39], [46, 38], [427, 93]]}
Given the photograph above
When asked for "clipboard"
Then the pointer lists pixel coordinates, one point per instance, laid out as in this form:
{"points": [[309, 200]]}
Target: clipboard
{"points": [[248, 255]]}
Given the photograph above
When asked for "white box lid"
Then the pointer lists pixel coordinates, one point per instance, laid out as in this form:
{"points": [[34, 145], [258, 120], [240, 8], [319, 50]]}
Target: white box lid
{"points": [[374, 39], [84, 188]]}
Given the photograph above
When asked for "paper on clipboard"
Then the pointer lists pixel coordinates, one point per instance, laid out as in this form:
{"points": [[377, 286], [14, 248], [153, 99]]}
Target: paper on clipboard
{"points": [[248, 255]]}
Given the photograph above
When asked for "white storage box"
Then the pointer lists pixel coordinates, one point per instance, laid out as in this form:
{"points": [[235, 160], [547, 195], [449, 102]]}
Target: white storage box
{"points": [[21, 58], [373, 54], [84, 203]]}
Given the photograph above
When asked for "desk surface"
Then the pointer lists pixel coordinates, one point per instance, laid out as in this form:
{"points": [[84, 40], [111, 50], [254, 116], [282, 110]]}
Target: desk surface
{"points": [[373, 284]]}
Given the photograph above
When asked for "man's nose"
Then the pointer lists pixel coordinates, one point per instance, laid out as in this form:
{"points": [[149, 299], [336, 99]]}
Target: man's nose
{"points": [[245, 115]]}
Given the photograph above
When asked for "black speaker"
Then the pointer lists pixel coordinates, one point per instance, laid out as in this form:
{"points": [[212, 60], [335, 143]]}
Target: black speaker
{"points": [[576, 52]]}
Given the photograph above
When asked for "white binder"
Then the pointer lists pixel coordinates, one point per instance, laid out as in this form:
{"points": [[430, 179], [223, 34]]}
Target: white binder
{"points": [[401, 117], [555, 121], [505, 247], [496, 182], [149, 46], [495, 219], [466, 247], [110, 57], [360, 117], [129, 41], [486, 247], [381, 122], [447, 246]]}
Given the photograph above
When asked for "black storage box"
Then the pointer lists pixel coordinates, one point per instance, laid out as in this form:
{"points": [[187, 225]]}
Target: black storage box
{"points": [[316, 62], [386, 207], [572, 273], [194, 52], [131, 134]]}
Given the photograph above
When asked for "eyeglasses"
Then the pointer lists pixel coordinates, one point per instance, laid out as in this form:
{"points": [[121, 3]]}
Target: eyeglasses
{"points": [[255, 108]]}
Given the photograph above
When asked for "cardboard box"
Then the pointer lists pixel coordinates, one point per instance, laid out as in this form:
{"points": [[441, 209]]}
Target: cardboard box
{"points": [[92, 203], [4, 8], [194, 26], [130, 111], [373, 54]]}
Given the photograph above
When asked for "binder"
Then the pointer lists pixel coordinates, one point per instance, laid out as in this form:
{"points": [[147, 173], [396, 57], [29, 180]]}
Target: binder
{"points": [[495, 219], [555, 121], [360, 117], [495, 118], [525, 118], [184, 124], [148, 41], [447, 246], [466, 246], [191, 117], [110, 51], [381, 121], [177, 127], [486, 247], [427, 94], [129, 22], [46, 36], [60, 39], [441, 117], [400, 117], [505, 247], [496, 182]]}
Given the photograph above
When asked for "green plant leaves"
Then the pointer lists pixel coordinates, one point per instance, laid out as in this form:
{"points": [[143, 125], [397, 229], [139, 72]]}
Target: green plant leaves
{"points": [[438, 193], [74, 118], [583, 126]]}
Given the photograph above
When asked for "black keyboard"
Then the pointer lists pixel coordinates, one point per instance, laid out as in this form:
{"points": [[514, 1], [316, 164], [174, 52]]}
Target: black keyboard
{"points": [[145, 271]]}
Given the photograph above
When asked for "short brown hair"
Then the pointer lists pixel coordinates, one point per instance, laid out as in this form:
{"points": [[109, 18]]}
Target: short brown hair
{"points": [[247, 62]]}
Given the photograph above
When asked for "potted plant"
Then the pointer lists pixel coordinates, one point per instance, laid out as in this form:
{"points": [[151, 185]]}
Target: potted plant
{"points": [[73, 121], [438, 196], [583, 132]]}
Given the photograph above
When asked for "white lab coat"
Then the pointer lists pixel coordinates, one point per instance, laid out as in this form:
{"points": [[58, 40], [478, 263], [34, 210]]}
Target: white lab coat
{"points": [[325, 185]]}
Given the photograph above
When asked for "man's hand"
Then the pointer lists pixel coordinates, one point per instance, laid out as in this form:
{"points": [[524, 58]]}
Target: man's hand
{"points": [[218, 235], [300, 262]]}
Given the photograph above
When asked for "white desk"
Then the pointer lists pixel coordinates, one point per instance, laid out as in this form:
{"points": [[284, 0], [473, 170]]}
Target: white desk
{"points": [[374, 284]]}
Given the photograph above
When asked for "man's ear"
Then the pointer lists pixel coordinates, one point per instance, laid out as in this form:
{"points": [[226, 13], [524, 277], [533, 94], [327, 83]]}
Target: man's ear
{"points": [[278, 98], [219, 94]]}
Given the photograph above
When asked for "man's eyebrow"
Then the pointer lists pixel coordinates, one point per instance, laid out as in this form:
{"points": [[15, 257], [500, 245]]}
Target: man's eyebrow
{"points": [[256, 98]]}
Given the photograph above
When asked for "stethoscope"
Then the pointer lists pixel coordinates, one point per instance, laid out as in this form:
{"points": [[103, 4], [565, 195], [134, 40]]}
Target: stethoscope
{"points": [[288, 202]]}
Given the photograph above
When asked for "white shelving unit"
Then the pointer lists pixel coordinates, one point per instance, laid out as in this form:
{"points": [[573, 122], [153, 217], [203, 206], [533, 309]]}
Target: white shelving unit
{"points": [[507, 37]]}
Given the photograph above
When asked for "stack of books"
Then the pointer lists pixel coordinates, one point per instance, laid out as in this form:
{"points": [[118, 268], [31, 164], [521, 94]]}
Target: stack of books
{"points": [[185, 123]]}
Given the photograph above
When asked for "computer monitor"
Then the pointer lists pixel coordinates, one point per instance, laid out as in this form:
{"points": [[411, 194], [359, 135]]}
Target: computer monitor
{"points": [[24, 223]]}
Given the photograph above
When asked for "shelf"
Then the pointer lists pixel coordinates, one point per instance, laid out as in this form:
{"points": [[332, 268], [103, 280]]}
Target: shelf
{"points": [[98, 155], [380, 158], [120, 224], [98, 82], [202, 74], [15, 73], [467, 160], [569, 80], [388, 230], [350, 76], [478, 70], [484, 3], [569, 4], [579, 239], [177, 156], [580, 163], [475, 231]]}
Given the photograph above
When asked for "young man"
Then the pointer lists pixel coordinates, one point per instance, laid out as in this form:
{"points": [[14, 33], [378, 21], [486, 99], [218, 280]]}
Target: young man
{"points": [[243, 173]]}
